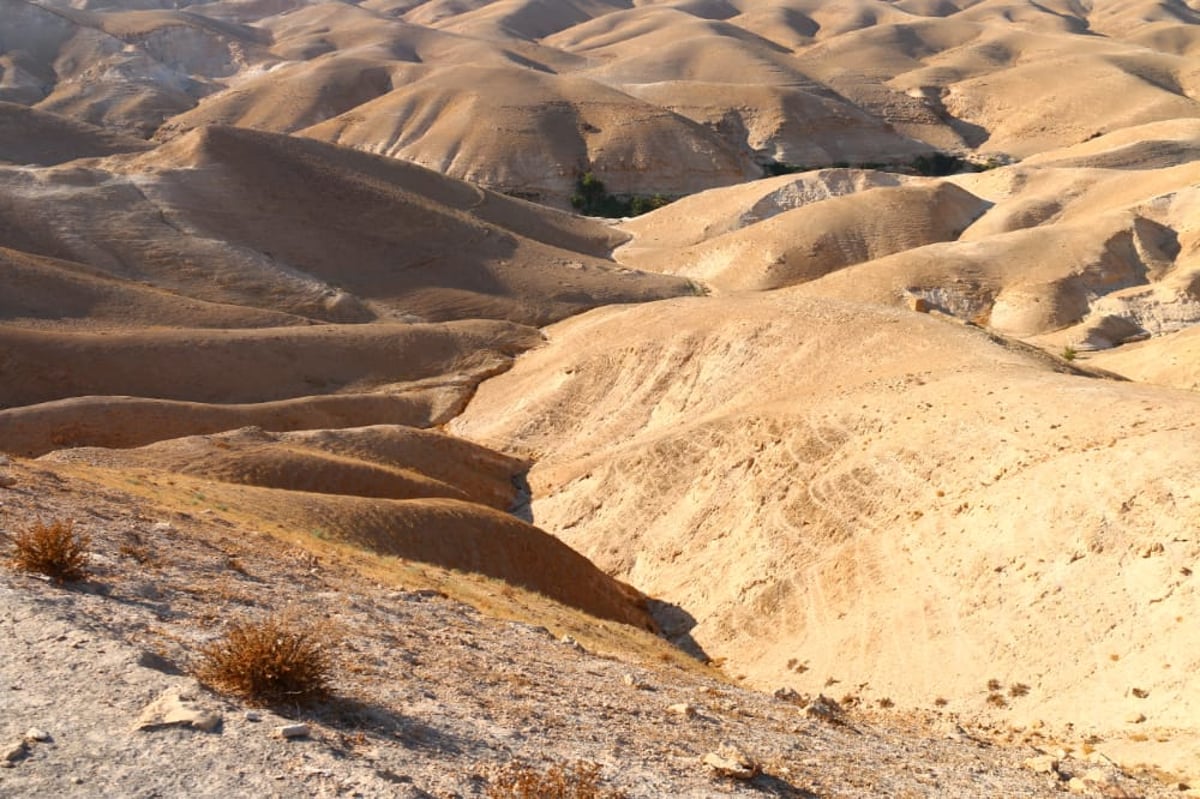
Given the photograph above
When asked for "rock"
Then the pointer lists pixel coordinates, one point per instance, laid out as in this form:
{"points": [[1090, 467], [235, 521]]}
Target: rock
{"points": [[790, 695], [293, 731], [567, 640], [918, 304], [1098, 776], [729, 761], [1076, 785], [633, 682], [1135, 718], [1042, 764], [682, 709], [35, 734], [177, 707], [823, 708], [162, 527], [253, 715], [7, 480]]}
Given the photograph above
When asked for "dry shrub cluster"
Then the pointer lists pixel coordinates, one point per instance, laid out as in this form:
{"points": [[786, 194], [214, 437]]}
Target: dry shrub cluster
{"points": [[273, 661], [578, 781], [54, 549]]}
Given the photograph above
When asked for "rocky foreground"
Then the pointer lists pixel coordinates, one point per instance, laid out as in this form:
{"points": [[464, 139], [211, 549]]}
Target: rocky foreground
{"points": [[440, 678]]}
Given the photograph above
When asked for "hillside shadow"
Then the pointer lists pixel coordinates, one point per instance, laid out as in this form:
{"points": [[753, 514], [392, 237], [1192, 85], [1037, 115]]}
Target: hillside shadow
{"points": [[676, 625]]}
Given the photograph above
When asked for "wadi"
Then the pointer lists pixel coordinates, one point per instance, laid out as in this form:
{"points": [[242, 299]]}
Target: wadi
{"points": [[646, 398]]}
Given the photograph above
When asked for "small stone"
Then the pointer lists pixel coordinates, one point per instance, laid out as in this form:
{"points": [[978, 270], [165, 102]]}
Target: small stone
{"points": [[918, 304], [1098, 776], [292, 731], [823, 708], [1135, 718], [253, 715], [37, 734], [567, 640], [633, 682], [177, 707], [162, 527], [1076, 785], [682, 709], [1042, 764], [789, 695], [729, 761]]}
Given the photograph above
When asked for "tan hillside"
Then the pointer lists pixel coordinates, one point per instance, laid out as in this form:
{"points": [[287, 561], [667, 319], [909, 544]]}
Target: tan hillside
{"points": [[889, 500]]}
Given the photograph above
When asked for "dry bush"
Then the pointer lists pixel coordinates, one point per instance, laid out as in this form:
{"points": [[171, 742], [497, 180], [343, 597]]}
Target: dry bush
{"points": [[54, 549], [273, 661], [579, 781]]}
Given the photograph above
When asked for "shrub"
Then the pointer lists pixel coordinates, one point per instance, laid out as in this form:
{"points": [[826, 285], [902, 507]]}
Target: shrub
{"points": [[580, 781], [54, 549], [272, 661]]}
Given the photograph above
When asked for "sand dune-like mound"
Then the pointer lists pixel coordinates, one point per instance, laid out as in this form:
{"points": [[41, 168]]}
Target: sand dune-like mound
{"points": [[44, 290], [122, 422], [240, 366], [880, 498], [544, 131], [814, 240], [236, 217], [399, 492], [385, 462], [31, 136], [713, 213]]}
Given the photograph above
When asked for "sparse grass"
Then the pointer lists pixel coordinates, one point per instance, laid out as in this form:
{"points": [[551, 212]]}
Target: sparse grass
{"points": [[1018, 689], [886, 703], [941, 701], [578, 781], [273, 661], [53, 549], [1069, 353], [997, 700], [994, 684]]}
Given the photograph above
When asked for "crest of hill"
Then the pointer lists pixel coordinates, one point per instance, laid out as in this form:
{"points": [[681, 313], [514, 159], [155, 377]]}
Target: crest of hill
{"points": [[885, 496], [242, 217], [246, 366], [123, 422], [707, 215]]}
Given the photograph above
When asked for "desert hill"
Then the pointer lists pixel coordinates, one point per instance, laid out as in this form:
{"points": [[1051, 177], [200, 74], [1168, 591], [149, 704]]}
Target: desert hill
{"points": [[889, 398], [888, 500]]}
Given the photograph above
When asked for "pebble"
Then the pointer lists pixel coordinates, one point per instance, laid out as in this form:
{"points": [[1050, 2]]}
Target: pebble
{"points": [[253, 715], [683, 709], [36, 734], [162, 527], [1135, 718], [1042, 764], [292, 731], [730, 761], [634, 682]]}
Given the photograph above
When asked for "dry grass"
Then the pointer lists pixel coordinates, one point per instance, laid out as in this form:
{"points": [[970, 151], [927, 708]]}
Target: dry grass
{"points": [[579, 781], [54, 549], [273, 661]]}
